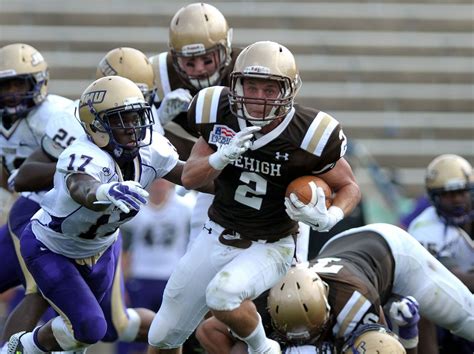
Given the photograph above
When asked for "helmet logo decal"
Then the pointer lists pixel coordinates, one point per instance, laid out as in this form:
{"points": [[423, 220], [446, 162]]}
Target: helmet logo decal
{"points": [[106, 68], [36, 59], [257, 69], [93, 97], [193, 49], [7, 73]]}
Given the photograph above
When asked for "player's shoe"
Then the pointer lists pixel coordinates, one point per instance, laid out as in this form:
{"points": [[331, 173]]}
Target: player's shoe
{"points": [[14, 344]]}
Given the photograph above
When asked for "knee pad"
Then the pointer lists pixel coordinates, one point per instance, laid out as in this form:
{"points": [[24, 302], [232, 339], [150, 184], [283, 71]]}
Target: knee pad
{"points": [[129, 332], [164, 335], [64, 336], [222, 296]]}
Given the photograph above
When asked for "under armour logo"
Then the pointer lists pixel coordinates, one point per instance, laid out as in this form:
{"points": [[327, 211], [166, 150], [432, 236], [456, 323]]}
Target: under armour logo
{"points": [[280, 156]]}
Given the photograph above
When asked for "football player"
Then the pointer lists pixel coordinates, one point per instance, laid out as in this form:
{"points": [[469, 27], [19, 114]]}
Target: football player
{"points": [[253, 142], [70, 245], [37, 174], [215, 338], [356, 273], [200, 55], [445, 229], [30, 119]]}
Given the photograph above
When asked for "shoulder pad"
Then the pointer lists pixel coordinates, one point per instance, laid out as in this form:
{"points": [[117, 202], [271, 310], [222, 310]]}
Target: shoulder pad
{"points": [[207, 103], [318, 133], [160, 69]]}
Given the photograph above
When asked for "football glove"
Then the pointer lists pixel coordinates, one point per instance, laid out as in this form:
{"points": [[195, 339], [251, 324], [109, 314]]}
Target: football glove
{"points": [[238, 145], [318, 216], [404, 317], [11, 180], [173, 103], [124, 195]]}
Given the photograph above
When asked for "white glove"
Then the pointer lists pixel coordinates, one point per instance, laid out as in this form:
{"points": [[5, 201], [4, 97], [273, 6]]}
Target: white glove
{"points": [[173, 103], [125, 195], [11, 180], [239, 144], [318, 216], [404, 317]]}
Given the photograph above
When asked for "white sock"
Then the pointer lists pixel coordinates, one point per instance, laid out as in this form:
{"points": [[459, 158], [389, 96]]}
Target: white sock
{"points": [[29, 344], [257, 340], [3, 350]]}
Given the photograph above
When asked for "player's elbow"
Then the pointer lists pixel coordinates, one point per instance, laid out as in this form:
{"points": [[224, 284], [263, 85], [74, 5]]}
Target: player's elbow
{"points": [[189, 182]]}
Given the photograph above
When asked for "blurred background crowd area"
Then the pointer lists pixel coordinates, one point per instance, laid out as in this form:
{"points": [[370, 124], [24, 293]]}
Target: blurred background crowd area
{"points": [[397, 74]]}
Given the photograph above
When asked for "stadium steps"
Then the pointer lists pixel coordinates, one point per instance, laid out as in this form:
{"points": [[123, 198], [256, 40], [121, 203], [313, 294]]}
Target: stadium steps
{"points": [[398, 75]]}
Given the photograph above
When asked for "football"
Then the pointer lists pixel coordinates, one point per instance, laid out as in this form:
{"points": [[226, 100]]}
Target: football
{"points": [[305, 189]]}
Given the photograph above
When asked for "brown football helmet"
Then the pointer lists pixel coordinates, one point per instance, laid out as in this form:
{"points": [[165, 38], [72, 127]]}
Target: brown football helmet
{"points": [[198, 29], [270, 61], [22, 62], [131, 64], [298, 305], [451, 173]]}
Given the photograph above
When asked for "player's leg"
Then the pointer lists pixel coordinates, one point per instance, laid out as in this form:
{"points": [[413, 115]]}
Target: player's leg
{"points": [[443, 298], [184, 301], [250, 273], [214, 336], [72, 289], [28, 312], [124, 324]]}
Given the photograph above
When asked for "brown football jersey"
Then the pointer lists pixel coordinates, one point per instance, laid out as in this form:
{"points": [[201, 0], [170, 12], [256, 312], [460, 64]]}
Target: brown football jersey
{"points": [[167, 79], [359, 271], [250, 192]]}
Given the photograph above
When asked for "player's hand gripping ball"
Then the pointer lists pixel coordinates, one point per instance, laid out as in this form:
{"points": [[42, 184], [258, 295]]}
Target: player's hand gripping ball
{"points": [[305, 189]]}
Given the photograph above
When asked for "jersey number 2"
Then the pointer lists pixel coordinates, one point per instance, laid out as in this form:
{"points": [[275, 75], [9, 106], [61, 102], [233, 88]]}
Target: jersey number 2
{"points": [[247, 194]]}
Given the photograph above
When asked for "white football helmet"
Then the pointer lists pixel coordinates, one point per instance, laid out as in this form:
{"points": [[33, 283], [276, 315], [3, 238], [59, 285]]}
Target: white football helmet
{"points": [[373, 339], [451, 173], [270, 61], [298, 305], [104, 110], [21, 62], [199, 29], [131, 64]]}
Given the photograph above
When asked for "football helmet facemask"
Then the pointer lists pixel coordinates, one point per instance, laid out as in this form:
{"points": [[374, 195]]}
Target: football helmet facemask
{"points": [[451, 173], [200, 29], [270, 61], [21, 62], [298, 305], [131, 64], [113, 107], [372, 339]]}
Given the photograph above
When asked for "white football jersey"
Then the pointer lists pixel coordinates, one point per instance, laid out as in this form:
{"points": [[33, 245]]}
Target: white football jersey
{"points": [[24, 136], [62, 128], [71, 229], [450, 243], [162, 231]]}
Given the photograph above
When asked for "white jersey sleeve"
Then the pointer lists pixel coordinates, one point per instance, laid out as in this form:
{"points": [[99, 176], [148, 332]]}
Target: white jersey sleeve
{"points": [[158, 159]]}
